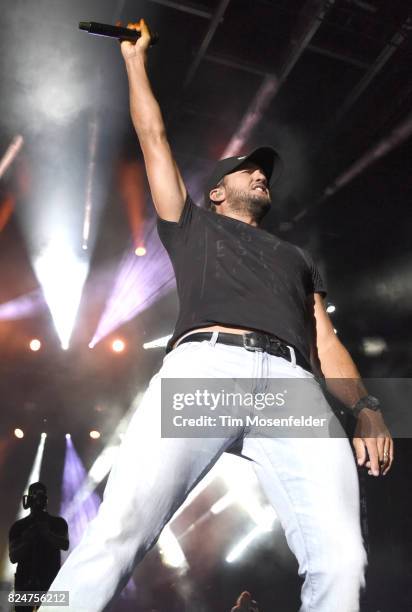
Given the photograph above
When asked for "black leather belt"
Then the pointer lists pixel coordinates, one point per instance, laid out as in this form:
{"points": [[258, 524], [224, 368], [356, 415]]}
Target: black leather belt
{"points": [[251, 341]]}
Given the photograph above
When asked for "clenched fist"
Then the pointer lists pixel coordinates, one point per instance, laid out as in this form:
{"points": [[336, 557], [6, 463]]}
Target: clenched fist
{"points": [[132, 49]]}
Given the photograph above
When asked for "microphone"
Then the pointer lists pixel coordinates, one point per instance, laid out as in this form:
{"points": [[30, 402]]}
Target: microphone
{"points": [[103, 29]]}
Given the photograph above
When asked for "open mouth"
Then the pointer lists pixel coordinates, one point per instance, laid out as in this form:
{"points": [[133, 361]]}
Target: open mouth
{"points": [[260, 188]]}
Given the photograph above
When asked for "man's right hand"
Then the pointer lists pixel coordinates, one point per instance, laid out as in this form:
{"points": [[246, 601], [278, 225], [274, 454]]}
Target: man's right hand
{"points": [[133, 49]]}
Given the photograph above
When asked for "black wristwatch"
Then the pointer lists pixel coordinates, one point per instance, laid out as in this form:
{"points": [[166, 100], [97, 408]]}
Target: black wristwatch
{"points": [[369, 401]]}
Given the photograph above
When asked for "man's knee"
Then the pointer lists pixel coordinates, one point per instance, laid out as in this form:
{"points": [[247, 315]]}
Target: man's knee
{"points": [[353, 560], [346, 562]]}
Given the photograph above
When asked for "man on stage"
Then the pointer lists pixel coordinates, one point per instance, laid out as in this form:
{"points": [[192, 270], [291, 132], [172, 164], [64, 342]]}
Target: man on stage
{"points": [[35, 542], [251, 307]]}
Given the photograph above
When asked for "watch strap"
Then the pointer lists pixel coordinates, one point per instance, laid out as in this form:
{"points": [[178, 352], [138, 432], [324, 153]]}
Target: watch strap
{"points": [[369, 401]]}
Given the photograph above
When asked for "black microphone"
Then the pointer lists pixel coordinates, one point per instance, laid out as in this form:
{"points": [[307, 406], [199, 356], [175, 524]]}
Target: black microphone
{"points": [[103, 29]]}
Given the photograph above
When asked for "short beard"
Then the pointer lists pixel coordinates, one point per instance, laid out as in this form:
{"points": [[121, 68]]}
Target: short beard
{"points": [[254, 205]]}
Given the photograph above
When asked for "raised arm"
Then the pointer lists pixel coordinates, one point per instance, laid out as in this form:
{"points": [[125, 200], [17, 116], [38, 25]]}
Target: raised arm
{"points": [[166, 183]]}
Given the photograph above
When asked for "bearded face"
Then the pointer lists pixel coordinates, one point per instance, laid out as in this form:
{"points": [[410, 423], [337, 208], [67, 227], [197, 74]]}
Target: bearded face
{"points": [[247, 192], [243, 193], [252, 202]]}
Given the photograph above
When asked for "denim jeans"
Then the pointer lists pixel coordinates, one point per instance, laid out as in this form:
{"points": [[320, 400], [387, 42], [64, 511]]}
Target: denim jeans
{"points": [[311, 483]]}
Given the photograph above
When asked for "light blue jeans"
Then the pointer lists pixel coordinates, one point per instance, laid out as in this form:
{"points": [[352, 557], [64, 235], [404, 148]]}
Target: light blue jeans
{"points": [[312, 484]]}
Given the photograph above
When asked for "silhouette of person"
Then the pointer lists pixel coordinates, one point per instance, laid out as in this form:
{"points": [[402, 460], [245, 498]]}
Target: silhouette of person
{"points": [[35, 543]]}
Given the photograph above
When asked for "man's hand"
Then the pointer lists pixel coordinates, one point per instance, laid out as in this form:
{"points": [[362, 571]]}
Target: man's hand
{"points": [[133, 49], [245, 603], [373, 443]]}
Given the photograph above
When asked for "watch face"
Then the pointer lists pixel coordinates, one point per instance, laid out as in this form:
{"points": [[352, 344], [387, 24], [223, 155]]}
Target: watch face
{"points": [[371, 402]]}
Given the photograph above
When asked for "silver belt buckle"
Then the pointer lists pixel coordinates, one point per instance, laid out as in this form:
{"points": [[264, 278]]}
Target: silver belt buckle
{"points": [[275, 344]]}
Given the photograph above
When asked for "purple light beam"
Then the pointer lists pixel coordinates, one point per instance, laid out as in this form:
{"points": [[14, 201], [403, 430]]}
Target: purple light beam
{"points": [[140, 282], [74, 475], [24, 306]]}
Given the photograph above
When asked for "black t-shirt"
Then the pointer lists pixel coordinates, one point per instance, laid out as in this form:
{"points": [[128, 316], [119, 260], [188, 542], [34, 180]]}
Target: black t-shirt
{"points": [[232, 274], [42, 562]]}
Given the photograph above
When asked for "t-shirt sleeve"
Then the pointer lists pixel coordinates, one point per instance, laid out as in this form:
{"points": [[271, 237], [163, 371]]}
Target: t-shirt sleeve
{"points": [[316, 281], [184, 219], [169, 231]]}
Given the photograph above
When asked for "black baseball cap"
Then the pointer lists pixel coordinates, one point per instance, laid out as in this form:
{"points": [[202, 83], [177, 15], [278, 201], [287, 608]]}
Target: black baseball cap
{"points": [[265, 157]]}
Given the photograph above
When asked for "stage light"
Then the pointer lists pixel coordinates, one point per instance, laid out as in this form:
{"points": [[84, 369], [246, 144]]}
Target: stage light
{"points": [[395, 138], [19, 433], [170, 550], [102, 465], [68, 436], [263, 97], [240, 548], [330, 308], [118, 345], [95, 435], [158, 343], [131, 188], [35, 345], [10, 155], [24, 306], [374, 346], [88, 208], [61, 273], [79, 510], [243, 490], [140, 282], [34, 476], [222, 503], [7, 205], [243, 487], [74, 475]]}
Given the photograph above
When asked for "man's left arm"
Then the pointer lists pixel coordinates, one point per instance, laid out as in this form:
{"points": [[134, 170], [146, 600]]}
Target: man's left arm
{"points": [[372, 438]]}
